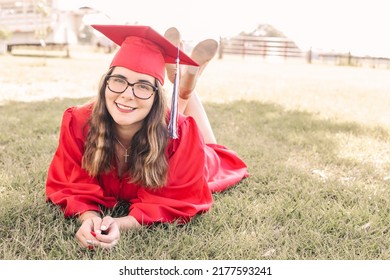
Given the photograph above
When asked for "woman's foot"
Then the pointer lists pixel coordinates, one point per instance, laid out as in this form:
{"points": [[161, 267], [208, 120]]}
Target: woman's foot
{"points": [[172, 35], [203, 52]]}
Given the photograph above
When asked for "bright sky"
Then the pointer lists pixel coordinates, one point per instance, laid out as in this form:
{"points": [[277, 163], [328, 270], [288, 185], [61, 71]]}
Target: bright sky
{"points": [[360, 26]]}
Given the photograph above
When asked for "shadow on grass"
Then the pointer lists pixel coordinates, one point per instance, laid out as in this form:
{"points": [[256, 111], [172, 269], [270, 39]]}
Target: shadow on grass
{"points": [[288, 212]]}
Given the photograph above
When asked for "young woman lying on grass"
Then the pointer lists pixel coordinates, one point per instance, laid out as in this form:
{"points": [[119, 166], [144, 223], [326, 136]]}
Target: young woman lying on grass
{"points": [[129, 146]]}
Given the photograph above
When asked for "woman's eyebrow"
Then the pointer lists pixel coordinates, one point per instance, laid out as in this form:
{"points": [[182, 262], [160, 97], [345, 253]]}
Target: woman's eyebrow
{"points": [[120, 76], [139, 80], [145, 81]]}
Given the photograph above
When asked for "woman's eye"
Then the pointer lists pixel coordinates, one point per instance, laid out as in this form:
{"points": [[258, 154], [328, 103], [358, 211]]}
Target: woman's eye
{"points": [[144, 87], [119, 80]]}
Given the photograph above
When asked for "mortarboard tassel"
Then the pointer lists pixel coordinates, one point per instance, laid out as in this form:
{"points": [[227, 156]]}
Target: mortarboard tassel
{"points": [[172, 126]]}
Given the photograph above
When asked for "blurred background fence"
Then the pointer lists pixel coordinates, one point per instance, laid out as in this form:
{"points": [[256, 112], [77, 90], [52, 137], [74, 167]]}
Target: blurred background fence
{"points": [[264, 46], [44, 27], [285, 48]]}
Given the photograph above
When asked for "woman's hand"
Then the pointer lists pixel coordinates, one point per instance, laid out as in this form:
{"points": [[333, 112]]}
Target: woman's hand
{"points": [[102, 232], [106, 233], [97, 232], [85, 234]]}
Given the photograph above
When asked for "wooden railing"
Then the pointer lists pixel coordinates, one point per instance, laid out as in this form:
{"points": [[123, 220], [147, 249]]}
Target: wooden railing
{"points": [[286, 48], [348, 59], [24, 22], [264, 46]]}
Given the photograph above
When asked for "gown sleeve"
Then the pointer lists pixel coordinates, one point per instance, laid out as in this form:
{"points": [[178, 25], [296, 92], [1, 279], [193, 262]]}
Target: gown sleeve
{"points": [[186, 192], [68, 185]]}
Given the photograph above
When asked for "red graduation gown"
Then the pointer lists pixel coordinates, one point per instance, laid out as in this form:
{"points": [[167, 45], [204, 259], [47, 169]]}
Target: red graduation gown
{"points": [[195, 171]]}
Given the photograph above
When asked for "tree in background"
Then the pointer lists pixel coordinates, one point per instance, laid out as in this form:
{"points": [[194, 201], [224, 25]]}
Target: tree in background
{"points": [[264, 30]]}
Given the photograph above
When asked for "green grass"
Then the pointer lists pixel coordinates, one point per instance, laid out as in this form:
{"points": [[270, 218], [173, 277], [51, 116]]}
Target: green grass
{"points": [[318, 189]]}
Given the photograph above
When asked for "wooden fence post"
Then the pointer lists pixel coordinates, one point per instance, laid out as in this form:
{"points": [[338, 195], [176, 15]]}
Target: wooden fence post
{"points": [[264, 45], [243, 48], [220, 51], [349, 59], [285, 48], [309, 56]]}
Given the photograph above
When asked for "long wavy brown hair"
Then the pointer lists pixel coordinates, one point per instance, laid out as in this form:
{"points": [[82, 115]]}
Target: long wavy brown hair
{"points": [[148, 164]]}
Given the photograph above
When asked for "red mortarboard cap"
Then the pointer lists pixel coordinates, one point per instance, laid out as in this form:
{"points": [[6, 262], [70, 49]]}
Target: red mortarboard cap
{"points": [[143, 49]]}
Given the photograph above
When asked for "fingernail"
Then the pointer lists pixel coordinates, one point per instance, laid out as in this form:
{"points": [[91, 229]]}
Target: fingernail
{"points": [[93, 233], [103, 228], [90, 247]]}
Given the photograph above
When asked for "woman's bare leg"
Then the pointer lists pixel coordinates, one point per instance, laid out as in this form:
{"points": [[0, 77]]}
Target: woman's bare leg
{"points": [[189, 102], [202, 53], [173, 35], [195, 109]]}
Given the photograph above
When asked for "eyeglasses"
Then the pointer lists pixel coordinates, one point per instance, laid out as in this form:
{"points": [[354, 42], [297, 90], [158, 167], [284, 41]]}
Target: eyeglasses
{"points": [[141, 90]]}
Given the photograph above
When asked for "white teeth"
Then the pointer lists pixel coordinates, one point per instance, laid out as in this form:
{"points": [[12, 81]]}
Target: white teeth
{"points": [[124, 107]]}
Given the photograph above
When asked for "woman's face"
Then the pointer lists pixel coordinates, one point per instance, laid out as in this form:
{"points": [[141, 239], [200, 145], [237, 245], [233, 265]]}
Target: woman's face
{"points": [[126, 109]]}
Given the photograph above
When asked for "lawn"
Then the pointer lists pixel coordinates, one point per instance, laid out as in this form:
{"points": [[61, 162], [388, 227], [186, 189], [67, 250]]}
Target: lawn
{"points": [[316, 139]]}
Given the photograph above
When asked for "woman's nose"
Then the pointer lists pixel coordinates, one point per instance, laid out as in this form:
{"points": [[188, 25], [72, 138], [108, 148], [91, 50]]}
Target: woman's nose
{"points": [[128, 93]]}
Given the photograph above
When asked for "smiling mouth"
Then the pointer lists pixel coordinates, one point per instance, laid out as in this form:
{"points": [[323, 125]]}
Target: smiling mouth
{"points": [[124, 108]]}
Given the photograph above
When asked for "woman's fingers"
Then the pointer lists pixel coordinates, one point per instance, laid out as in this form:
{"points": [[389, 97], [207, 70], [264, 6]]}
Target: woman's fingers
{"points": [[110, 233], [98, 232], [86, 235]]}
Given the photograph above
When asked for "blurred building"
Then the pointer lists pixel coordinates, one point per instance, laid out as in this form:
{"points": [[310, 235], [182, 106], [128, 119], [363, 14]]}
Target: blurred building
{"points": [[39, 22]]}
